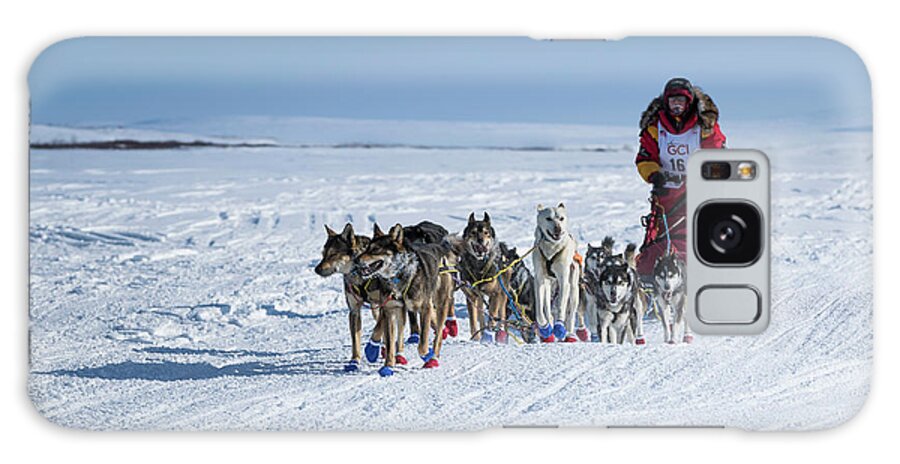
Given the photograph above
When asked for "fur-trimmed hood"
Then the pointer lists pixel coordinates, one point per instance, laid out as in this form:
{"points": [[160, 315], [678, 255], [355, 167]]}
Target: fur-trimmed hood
{"points": [[702, 105]]}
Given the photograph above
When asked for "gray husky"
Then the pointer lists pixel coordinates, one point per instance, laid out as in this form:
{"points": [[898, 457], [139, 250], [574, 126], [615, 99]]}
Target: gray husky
{"points": [[613, 296], [415, 283], [669, 294]]}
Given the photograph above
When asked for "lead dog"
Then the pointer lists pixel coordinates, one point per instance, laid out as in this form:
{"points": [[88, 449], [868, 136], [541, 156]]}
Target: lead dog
{"points": [[337, 257], [415, 283], [554, 262]]}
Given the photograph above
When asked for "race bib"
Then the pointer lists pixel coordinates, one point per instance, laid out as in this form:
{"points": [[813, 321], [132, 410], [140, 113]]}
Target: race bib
{"points": [[673, 153]]}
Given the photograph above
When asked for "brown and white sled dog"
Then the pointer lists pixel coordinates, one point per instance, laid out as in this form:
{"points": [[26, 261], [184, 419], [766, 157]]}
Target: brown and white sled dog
{"points": [[413, 276], [669, 294], [480, 260], [554, 262], [613, 297], [338, 256]]}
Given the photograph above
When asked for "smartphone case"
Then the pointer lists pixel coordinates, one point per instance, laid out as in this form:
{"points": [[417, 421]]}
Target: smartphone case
{"points": [[191, 198]]}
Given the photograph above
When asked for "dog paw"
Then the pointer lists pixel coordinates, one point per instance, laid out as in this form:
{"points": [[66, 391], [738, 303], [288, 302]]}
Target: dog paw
{"points": [[688, 339], [559, 329], [640, 341], [372, 350], [583, 334], [428, 356], [351, 366], [400, 359], [385, 371], [413, 339], [452, 327], [431, 364], [546, 331], [502, 337], [570, 339], [549, 339]]}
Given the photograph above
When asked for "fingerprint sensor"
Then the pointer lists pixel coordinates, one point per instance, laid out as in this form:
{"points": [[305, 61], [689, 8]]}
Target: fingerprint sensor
{"points": [[728, 304]]}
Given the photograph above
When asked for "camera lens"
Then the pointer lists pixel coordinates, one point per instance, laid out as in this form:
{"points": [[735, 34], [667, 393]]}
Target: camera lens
{"points": [[728, 233]]}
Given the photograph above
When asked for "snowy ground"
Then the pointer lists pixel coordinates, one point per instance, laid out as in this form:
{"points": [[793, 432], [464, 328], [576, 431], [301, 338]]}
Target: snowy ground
{"points": [[175, 289]]}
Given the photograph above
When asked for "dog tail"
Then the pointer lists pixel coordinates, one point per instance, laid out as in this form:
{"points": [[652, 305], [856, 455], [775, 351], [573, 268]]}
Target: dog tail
{"points": [[607, 244], [630, 255]]}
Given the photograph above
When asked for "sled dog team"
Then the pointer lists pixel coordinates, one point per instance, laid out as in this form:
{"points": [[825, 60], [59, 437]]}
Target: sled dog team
{"points": [[409, 275]]}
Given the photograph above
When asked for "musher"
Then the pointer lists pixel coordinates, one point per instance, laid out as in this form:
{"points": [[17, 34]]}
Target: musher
{"points": [[678, 122]]}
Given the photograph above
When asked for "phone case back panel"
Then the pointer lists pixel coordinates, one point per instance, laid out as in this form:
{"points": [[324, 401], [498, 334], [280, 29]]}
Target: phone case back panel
{"points": [[214, 231]]}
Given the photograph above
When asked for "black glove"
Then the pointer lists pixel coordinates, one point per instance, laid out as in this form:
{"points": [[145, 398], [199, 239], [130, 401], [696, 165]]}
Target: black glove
{"points": [[658, 179]]}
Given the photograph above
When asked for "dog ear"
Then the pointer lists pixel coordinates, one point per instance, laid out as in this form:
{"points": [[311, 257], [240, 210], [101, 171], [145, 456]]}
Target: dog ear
{"points": [[397, 233], [471, 218], [376, 231], [630, 257], [561, 205], [348, 235], [540, 207], [330, 232], [486, 218]]}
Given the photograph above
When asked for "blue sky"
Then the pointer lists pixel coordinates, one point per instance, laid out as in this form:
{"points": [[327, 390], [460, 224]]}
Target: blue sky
{"points": [[130, 80]]}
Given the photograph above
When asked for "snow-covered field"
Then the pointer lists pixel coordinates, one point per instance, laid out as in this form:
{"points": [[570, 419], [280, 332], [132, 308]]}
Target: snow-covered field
{"points": [[174, 289]]}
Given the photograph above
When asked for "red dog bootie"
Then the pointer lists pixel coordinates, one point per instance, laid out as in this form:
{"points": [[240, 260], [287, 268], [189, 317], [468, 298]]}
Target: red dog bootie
{"points": [[549, 339], [583, 334], [570, 339], [400, 359], [451, 327], [502, 337], [640, 341], [444, 332], [431, 364], [688, 339]]}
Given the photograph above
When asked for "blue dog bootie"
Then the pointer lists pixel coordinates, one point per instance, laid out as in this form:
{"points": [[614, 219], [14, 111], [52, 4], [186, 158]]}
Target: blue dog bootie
{"points": [[372, 350], [413, 339], [385, 371], [487, 336], [545, 331], [559, 330], [427, 357], [351, 366]]}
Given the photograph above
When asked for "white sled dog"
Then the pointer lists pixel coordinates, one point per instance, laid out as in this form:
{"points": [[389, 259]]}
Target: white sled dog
{"points": [[554, 262]]}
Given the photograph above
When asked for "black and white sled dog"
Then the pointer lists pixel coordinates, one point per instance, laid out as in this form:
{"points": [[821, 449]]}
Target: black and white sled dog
{"points": [[613, 299], [554, 262], [669, 295]]}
